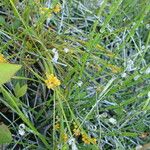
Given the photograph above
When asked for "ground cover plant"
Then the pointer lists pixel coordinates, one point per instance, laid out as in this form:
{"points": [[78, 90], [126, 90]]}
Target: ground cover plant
{"points": [[74, 75]]}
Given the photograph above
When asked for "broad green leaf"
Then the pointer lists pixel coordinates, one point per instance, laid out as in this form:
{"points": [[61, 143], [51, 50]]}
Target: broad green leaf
{"points": [[7, 71], [5, 135], [20, 91]]}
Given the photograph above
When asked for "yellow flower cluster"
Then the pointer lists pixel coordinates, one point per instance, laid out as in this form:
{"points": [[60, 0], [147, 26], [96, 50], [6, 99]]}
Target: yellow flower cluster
{"points": [[76, 130], [44, 10], [93, 140], [48, 11], [57, 8], [2, 59], [65, 137], [88, 140], [51, 81], [85, 139], [57, 126]]}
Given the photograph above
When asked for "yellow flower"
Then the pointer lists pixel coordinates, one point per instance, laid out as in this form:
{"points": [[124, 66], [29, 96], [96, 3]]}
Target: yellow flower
{"points": [[57, 8], [77, 132], [44, 10], [51, 81], [85, 139], [65, 137], [93, 140], [88, 140], [57, 126], [2, 59]]}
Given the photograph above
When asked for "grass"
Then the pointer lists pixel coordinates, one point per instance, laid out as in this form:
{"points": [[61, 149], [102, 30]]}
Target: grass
{"points": [[103, 99]]}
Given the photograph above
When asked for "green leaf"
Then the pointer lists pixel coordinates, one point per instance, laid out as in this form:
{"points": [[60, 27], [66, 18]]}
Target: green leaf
{"points": [[65, 147], [88, 147], [15, 25], [2, 20], [131, 134], [20, 91], [5, 135], [7, 71]]}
